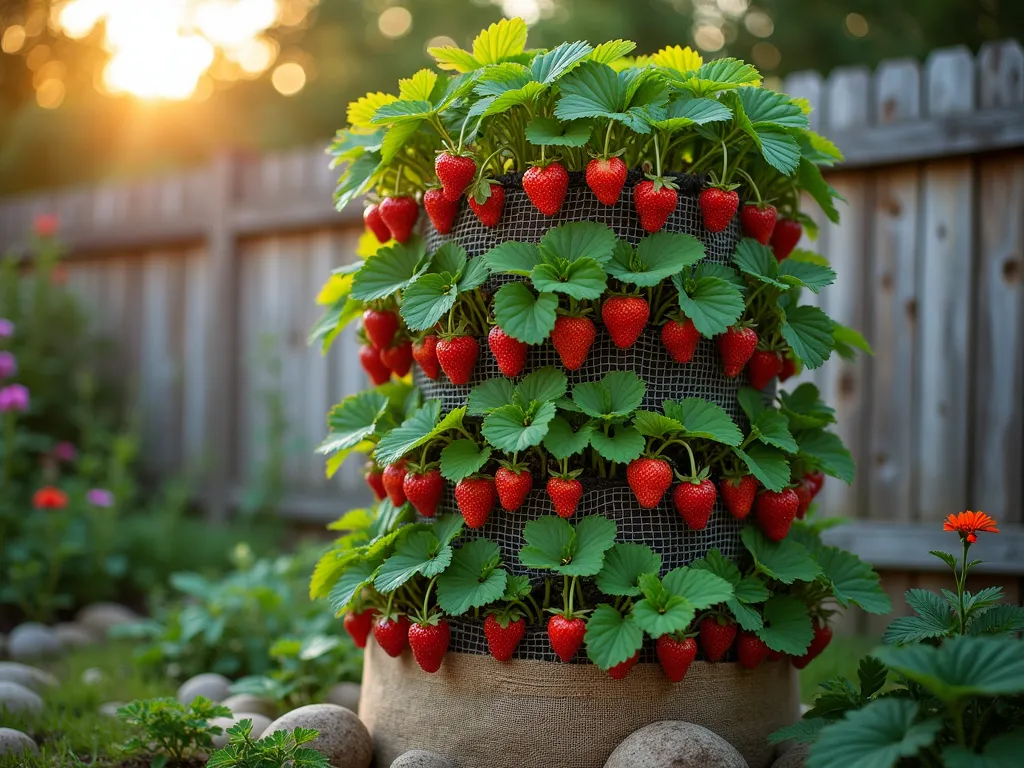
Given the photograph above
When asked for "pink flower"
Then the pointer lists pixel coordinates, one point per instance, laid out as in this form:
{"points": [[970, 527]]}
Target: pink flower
{"points": [[6, 328], [14, 398], [8, 364], [65, 451], [45, 224], [100, 497]]}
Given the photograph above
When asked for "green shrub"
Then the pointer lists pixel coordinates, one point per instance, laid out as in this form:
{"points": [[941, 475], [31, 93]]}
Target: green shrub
{"points": [[277, 749], [170, 730]]}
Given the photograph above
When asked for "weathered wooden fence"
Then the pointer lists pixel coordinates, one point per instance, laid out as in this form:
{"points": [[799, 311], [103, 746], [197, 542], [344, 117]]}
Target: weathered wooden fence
{"points": [[199, 275]]}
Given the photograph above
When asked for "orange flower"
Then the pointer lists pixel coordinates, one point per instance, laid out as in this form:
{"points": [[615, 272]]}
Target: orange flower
{"points": [[969, 524], [49, 497]]}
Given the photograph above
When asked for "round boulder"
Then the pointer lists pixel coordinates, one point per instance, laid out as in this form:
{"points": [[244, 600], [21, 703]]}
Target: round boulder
{"points": [[18, 698], [421, 758], [32, 640], [793, 758], [23, 674], [259, 725], [246, 702], [209, 685], [71, 635], [674, 744], [343, 739], [99, 618], [14, 742], [345, 695]]}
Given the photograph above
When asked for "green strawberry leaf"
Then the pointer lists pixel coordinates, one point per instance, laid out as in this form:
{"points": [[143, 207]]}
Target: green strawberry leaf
{"points": [[624, 563], [513, 258], [357, 178], [773, 429], [447, 528], [353, 420], [334, 319], [853, 580], [523, 315], [655, 258], [767, 108], [562, 441], [808, 331], [1000, 619], [501, 41], [512, 428], [713, 304], [516, 588], [686, 111], [617, 395], [810, 180], [784, 560], [355, 578], [751, 402], [424, 425], [703, 419], [651, 424], [403, 111], [419, 553], [389, 270], [758, 261], [474, 578], [1002, 751], [825, 451], [450, 258], [721, 271], [767, 464], [581, 279], [787, 625], [489, 395], [473, 276], [606, 53], [664, 616], [544, 385], [596, 90], [847, 341], [751, 590], [805, 409], [463, 458], [427, 299], [548, 131], [714, 562], [933, 618], [619, 443], [700, 588], [779, 150], [578, 240], [719, 75], [876, 736], [549, 67], [554, 544], [813, 277], [611, 637], [748, 618], [505, 94]]}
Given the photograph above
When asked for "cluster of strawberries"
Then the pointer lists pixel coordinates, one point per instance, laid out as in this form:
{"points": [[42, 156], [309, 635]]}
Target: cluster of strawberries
{"points": [[394, 633], [389, 349]]}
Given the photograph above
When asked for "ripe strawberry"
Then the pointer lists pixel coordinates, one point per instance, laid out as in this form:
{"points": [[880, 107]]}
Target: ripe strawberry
{"points": [[758, 221], [400, 214], [512, 486], [457, 357], [736, 346], [775, 512], [475, 497], [717, 207], [649, 478], [785, 236], [680, 338], [546, 187], [488, 209], [373, 221], [503, 640], [398, 358], [429, 643], [817, 478], [805, 493], [424, 491], [625, 317], [455, 172], [716, 637], [621, 669], [822, 637], [695, 502], [442, 212], [380, 327], [738, 495], [606, 179], [424, 352], [394, 482], [510, 353], [391, 634], [375, 479], [565, 494], [751, 650], [369, 358], [763, 366], [788, 368], [676, 656], [654, 201], [572, 337], [359, 624], [566, 635]]}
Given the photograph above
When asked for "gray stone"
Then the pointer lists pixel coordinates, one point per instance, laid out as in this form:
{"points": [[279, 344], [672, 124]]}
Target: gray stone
{"points": [[259, 725], [72, 635], [793, 758], [18, 698], [673, 744], [93, 676], [421, 758], [209, 685], [99, 618], [14, 742], [345, 695], [32, 641], [246, 702], [23, 674], [343, 739], [109, 708]]}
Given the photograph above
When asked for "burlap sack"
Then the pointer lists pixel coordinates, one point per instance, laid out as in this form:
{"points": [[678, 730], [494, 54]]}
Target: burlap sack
{"points": [[534, 714]]}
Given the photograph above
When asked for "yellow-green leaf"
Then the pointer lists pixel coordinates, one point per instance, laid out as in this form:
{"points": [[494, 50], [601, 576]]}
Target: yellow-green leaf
{"points": [[500, 41], [418, 87], [362, 110]]}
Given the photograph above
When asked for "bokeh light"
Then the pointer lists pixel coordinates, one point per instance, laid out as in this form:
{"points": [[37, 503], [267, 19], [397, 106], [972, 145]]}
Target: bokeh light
{"points": [[394, 22], [13, 39], [857, 25], [289, 78]]}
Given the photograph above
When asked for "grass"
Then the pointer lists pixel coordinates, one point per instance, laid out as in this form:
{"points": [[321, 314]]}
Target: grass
{"points": [[839, 659]]}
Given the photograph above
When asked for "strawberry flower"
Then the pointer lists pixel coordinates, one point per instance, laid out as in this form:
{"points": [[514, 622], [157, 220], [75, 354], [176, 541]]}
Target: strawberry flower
{"points": [[13, 398], [6, 328], [100, 497], [65, 451], [969, 524]]}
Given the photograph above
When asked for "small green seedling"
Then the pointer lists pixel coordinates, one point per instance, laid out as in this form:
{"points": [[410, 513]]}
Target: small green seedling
{"points": [[277, 749], [170, 730]]}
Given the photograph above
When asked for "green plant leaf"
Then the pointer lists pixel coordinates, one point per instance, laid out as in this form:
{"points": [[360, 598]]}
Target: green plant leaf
{"points": [[463, 458], [752, 403], [712, 303], [877, 736], [871, 674], [351, 582], [853, 580], [353, 420], [721, 271], [813, 183], [554, 544], [801, 732], [490, 394], [657, 618], [787, 625], [714, 562], [700, 588], [500, 41], [719, 75], [813, 277], [773, 429], [450, 258], [751, 590], [578, 240], [999, 619], [826, 451], [767, 464], [543, 385], [784, 560], [549, 67], [655, 258], [419, 428], [808, 331], [473, 276], [581, 279], [1002, 751], [758, 261], [595, 535], [847, 341], [513, 258], [703, 419], [474, 578], [523, 315], [686, 111], [512, 93], [651, 424], [748, 618], [611, 637], [511, 428], [617, 395], [779, 150], [764, 107], [389, 270], [624, 563], [427, 299], [402, 111], [805, 409], [620, 443], [606, 53], [357, 178], [562, 441], [550, 132], [447, 528], [418, 553]]}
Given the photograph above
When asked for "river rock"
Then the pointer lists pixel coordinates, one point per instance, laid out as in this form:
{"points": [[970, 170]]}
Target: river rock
{"points": [[18, 698], [99, 618], [23, 674], [32, 640], [345, 695], [72, 635], [793, 758], [14, 742], [421, 758], [259, 725], [343, 739], [209, 685], [109, 708], [674, 744], [246, 702]]}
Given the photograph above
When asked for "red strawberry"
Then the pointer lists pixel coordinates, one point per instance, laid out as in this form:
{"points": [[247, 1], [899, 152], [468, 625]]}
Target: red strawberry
{"points": [[822, 637], [625, 317], [391, 634], [763, 366], [475, 497], [775, 512], [369, 358], [785, 236], [649, 478], [424, 491], [380, 327], [488, 209], [512, 486], [442, 212], [695, 502], [788, 368], [510, 353], [455, 172], [654, 203], [606, 178], [400, 214], [424, 352], [572, 337], [566, 635], [372, 219], [805, 493], [751, 650], [358, 625], [503, 640], [375, 479], [817, 478], [565, 494], [717, 207], [680, 339], [546, 187], [457, 357], [394, 482], [716, 637], [738, 495], [398, 358], [758, 221], [736, 346], [621, 669], [429, 643], [676, 656]]}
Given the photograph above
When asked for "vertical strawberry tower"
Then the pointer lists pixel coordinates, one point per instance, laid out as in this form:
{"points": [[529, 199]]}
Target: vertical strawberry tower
{"points": [[582, 309]]}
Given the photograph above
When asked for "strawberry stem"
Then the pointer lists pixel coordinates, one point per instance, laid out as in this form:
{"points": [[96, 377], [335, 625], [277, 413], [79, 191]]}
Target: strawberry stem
{"points": [[462, 133], [725, 162], [657, 157], [693, 462], [607, 139], [426, 600], [753, 186]]}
